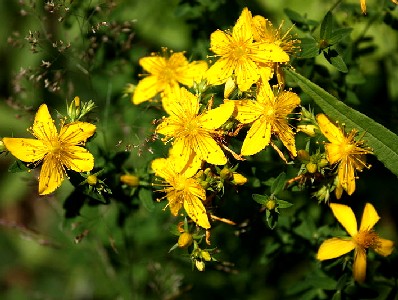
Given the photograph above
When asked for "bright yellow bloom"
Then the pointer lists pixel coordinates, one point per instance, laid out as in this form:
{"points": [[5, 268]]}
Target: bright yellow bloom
{"points": [[264, 32], [57, 151], [240, 55], [182, 190], [268, 115], [359, 241], [193, 132], [165, 74], [345, 151]]}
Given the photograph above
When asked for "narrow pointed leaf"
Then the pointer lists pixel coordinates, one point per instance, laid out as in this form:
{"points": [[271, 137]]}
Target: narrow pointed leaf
{"points": [[383, 142]]}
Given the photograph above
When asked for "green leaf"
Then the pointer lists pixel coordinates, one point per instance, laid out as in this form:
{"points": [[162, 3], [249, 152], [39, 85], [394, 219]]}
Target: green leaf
{"points": [[309, 48], [278, 183], [283, 204], [271, 216], [261, 199], [336, 60], [145, 197], [339, 34], [326, 26], [18, 166], [383, 142]]}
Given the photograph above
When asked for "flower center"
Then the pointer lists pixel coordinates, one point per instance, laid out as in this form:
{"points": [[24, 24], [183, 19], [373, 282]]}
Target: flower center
{"points": [[238, 51], [180, 183], [167, 75], [367, 239]]}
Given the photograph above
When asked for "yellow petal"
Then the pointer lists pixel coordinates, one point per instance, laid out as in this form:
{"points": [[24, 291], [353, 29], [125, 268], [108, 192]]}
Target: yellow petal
{"points": [[77, 159], [153, 64], [268, 52], [334, 247], [194, 72], [220, 42], [330, 130], [242, 30], [176, 201], [219, 73], [168, 126], [257, 138], [214, 118], [246, 73], [161, 167], [287, 101], [346, 175], [248, 111], [27, 150], [333, 153], [207, 149], [76, 133], [385, 247], [346, 217], [359, 266], [51, 175], [369, 217], [286, 134], [43, 126], [363, 6], [182, 153], [196, 211], [146, 89], [181, 103]]}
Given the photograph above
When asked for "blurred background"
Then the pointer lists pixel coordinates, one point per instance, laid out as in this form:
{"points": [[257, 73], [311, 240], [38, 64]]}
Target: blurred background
{"points": [[52, 51]]}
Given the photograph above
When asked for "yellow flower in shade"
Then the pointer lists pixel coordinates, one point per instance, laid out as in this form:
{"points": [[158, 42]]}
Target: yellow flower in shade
{"points": [[344, 150], [165, 74], [182, 190], [240, 55], [192, 132], [58, 152], [267, 115], [359, 241], [363, 5]]}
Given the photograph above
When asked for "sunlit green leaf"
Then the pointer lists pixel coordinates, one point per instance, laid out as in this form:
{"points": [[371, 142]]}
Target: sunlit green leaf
{"points": [[278, 183]]}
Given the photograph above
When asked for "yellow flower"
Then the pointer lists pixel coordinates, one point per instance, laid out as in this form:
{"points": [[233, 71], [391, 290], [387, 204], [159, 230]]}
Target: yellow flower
{"points": [[345, 151], [57, 151], [182, 190], [264, 32], [192, 132], [363, 5], [359, 241], [165, 74], [269, 114], [240, 55]]}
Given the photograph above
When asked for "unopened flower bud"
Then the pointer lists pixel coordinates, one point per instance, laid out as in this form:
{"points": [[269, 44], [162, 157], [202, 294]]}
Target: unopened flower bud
{"points": [[323, 162], [226, 174], [239, 179], [92, 180], [185, 240], [311, 167], [308, 129], [270, 204], [130, 180], [206, 255], [200, 265], [303, 155]]}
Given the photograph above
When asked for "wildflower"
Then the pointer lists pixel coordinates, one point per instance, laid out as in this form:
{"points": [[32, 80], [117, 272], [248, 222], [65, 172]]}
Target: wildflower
{"points": [[363, 5], [268, 115], [344, 151], [359, 241], [165, 74], [185, 240], [58, 152], [264, 32], [240, 55], [193, 133], [182, 190]]}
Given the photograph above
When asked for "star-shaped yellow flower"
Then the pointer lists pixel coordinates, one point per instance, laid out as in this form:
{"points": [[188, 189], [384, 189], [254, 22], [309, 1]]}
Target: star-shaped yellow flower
{"points": [[166, 74], [345, 151], [57, 151], [193, 133], [359, 241], [182, 190], [268, 115], [240, 55]]}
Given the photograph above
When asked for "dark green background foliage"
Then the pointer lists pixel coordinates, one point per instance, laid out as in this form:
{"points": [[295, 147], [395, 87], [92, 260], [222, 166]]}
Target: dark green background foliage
{"points": [[73, 245]]}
